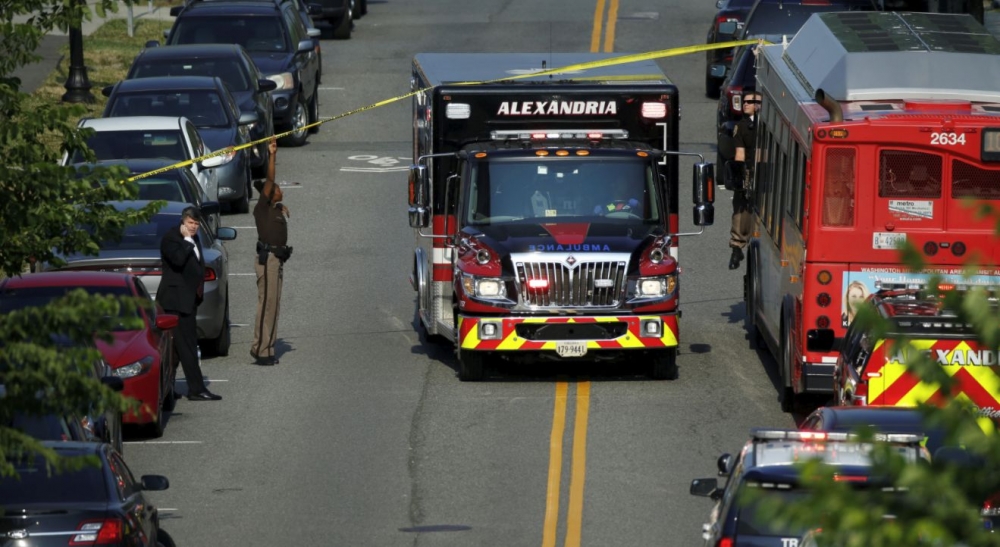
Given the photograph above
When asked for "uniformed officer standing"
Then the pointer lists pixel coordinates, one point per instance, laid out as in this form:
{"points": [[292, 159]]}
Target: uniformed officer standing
{"points": [[271, 217], [745, 135]]}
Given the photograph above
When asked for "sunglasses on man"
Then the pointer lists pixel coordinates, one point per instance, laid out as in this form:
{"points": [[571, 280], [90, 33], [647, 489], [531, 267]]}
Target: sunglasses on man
{"points": [[751, 101]]}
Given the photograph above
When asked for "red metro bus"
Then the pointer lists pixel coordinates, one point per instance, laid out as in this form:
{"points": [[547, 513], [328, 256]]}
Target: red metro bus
{"points": [[875, 129]]}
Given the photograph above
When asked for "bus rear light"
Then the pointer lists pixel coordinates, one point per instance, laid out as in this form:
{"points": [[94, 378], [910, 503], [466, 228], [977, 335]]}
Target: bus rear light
{"points": [[946, 286], [930, 248], [823, 299], [654, 110], [824, 277], [958, 249], [822, 322]]}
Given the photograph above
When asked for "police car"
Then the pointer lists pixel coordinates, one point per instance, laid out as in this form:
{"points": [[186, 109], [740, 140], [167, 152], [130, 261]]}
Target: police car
{"points": [[872, 369], [768, 465]]}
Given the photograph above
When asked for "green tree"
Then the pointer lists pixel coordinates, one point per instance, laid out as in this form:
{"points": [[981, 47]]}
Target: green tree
{"points": [[42, 208]]}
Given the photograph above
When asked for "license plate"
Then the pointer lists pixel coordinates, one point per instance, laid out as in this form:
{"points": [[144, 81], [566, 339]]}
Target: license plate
{"points": [[887, 240], [571, 349]]}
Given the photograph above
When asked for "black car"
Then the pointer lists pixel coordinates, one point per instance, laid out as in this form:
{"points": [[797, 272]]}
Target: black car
{"points": [[207, 102], [173, 185], [769, 465], [773, 21], [725, 25], [249, 88], [95, 505], [277, 41]]}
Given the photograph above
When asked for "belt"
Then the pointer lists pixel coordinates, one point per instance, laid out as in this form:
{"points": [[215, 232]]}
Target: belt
{"points": [[261, 246]]}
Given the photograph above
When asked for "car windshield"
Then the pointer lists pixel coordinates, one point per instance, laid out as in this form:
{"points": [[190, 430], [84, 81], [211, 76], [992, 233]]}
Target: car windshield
{"points": [[35, 485], [119, 145], [254, 33], [562, 190], [144, 236], [204, 108], [752, 521], [229, 70]]}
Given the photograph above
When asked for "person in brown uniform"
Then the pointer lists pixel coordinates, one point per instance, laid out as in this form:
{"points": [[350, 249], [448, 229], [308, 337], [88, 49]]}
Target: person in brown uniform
{"points": [[271, 217]]}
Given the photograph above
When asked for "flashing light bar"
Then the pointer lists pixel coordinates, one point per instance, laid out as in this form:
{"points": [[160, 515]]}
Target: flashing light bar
{"points": [[797, 435], [538, 284], [654, 110], [458, 111], [544, 134]]}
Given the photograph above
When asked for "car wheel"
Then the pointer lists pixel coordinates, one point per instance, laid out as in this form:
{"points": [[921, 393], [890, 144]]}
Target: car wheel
{"points": [[314, 111], [342, 28], [300, 119], [154, 429], [471, 366], [361, 8], [712, 87], [170, 397], [664, 365], [242, 205], [163, 539], [220, 344]]}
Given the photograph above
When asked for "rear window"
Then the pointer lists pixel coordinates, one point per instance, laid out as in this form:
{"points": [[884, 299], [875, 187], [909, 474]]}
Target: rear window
{"points": [[168, 189], [204, 108], [838, 187], [37, 485], [229, 70], [903, 174], [972, 181], [32, 297], [117, 145], [144, 236], [254, 33]]}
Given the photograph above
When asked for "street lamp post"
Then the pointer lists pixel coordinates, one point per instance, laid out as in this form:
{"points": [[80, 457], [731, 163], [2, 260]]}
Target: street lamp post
{"points": [[77, 84]]}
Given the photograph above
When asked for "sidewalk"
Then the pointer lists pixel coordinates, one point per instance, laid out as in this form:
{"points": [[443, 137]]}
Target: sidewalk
{"points": [[34, 74]]}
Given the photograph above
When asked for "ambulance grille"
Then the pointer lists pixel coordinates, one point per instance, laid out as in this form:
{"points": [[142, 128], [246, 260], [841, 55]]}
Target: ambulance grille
{"points": [[583, 285]]}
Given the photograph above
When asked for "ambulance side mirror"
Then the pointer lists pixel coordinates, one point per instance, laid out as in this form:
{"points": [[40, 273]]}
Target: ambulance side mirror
{"points": [[418, 188], [703, 192]]}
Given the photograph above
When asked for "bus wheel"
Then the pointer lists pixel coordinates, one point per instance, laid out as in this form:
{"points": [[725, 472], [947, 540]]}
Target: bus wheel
{"points": [[663, 365], [471, 366], [752, 289], [788, 398]]}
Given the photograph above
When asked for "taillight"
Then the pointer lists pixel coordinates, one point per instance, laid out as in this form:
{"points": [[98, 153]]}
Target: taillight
{"points": [[210, 274], [735, 93], [98, 532], [850, 478], [724, 542]]}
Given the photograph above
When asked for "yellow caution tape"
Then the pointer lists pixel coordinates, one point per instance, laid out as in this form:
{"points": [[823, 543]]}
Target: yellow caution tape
{"points": [[612, 61]]}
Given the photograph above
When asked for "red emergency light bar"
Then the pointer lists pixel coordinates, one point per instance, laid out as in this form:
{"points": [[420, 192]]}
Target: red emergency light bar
{"points": [[797, 435], [538, 284], [551, 134]]}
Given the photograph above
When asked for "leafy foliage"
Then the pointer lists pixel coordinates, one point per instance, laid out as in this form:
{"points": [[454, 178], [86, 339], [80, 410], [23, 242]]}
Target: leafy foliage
{"points": [[42, 208]]}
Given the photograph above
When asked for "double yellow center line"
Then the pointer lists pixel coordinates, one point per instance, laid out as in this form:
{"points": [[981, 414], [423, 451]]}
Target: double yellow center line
{"points": [[578, 463]]}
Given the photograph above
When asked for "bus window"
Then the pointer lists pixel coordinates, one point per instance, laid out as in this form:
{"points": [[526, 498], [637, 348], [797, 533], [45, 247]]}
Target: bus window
{"points": [[909, 175], [838, 187], [972, 181]]}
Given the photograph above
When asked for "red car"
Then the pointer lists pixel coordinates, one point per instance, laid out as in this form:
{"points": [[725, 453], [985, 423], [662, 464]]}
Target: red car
{"points": [[144, 359]]}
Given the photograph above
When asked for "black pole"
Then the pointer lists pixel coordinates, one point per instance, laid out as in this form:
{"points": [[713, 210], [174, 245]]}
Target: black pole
{"points": [[77, 84]]}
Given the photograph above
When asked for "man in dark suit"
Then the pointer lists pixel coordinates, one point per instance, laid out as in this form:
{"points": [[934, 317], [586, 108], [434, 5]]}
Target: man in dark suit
{"points": [[181, 291]]}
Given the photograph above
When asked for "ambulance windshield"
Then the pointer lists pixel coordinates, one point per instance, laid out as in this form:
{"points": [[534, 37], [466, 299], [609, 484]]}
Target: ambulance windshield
{"points": [[554, 190]]}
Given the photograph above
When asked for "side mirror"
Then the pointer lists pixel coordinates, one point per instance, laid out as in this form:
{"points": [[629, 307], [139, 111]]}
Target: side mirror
{"points": [[248, 118], [314, 32], [176, 10], [154, 482], [725, 465], [166, 321], [106, 90], [264, 85], [305, 46], [155, 43], [418, 186], [314, 9], [113, 383], [718, 70], [703, 191], [704, 487], [226, 233], [210, 208], [214, 161], [822, 340], [419, 217], [166, 35]]}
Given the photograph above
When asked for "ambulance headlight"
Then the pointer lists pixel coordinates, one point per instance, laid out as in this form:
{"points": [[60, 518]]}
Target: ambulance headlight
{"points": [[484, 287], [655, 287]]}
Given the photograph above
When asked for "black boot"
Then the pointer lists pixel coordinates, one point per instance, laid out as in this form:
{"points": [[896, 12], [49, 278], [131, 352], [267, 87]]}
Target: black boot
{"points": [[735, 258]]}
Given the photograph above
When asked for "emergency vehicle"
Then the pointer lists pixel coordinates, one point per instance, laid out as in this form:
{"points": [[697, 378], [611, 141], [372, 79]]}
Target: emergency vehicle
{"points": [[875, 129], [873, 370], [545, 208]]}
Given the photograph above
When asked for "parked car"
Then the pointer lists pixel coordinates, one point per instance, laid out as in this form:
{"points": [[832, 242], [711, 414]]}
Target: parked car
{"points": [[725, 25], [277, 41], [92, 505], [92, 426], [250, 89], [172, 185], [138, 251], [773, 21], [172, 138], [206, 101], [144, 359]]}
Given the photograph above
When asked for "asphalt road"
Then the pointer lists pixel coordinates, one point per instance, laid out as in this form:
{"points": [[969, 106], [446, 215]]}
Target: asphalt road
{"points": [[363, 435]]}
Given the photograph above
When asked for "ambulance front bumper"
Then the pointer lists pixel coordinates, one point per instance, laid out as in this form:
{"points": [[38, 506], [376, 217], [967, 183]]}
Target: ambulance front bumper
{"points": [[568, 336]]}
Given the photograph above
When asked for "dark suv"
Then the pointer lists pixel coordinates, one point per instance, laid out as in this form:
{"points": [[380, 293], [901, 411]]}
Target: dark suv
{"points": [[227, 61], [273, 35], [725, 26], [768, 465]]}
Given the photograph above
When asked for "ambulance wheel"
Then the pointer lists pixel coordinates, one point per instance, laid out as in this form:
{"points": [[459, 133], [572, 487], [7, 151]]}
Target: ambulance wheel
{"points": [[663, 365], [471, 366]]}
